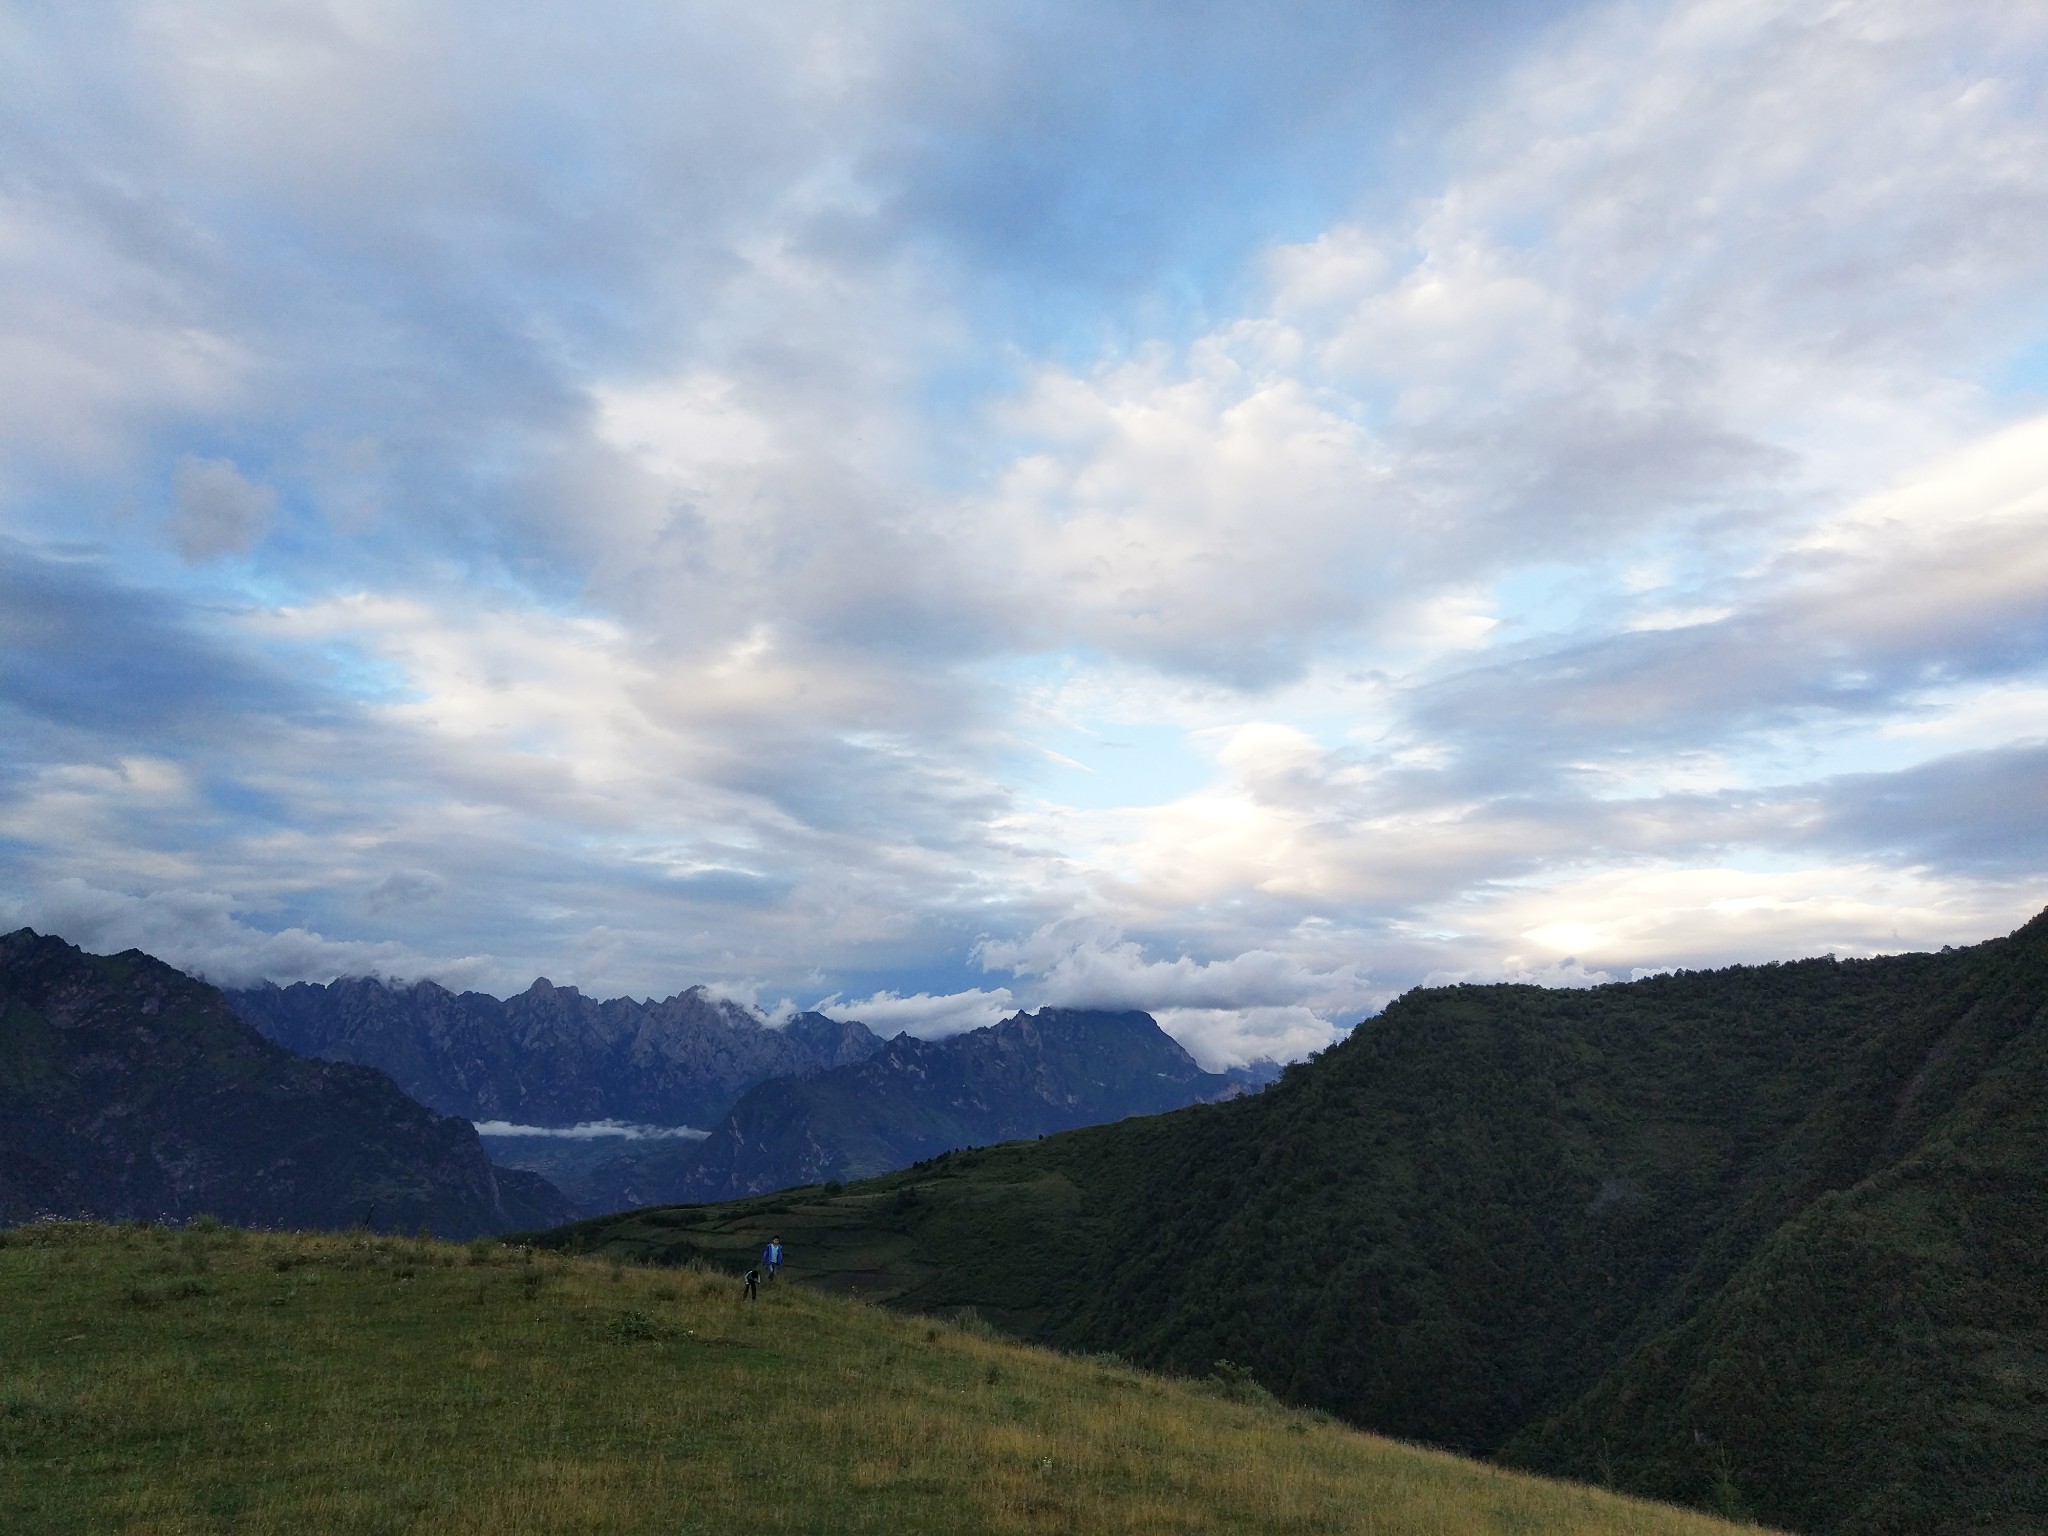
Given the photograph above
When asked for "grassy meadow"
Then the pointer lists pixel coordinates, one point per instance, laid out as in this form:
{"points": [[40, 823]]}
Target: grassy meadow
{"points": [[216, 1380]]}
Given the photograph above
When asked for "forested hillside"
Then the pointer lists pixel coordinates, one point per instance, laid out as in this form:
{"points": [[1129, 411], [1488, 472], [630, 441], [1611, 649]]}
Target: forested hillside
{"points": [[1768, 1239], [128, 1090]]}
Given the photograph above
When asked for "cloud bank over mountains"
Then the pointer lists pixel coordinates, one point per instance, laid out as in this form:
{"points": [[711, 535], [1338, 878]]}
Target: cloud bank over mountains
{"points": [[946, 513]]}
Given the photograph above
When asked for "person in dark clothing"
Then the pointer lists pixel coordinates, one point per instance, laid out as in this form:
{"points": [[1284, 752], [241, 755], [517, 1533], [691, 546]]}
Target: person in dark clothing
{"points": [[753, 1284]]}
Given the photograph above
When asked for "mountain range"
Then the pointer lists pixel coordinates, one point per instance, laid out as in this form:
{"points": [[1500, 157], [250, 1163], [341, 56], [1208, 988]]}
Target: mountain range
{"points": [[1027, 1076], [130, 1091], [1769, 1239], [800, 1102], [125, 1108], [551, 1056]]}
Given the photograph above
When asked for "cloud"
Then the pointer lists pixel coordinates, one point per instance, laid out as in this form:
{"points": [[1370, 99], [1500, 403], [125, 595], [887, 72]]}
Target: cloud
{"points": [[593, 1130], [1529, 472], [214, 511], [405, 888], [1974, 813], [1077, 964], [1606, 333], [81, 649], [198, 931], [1226, 1011], [1208, 522], [924, 1015], [106, 329], [1234, 1037], [1937, 579], [1672, 915]]}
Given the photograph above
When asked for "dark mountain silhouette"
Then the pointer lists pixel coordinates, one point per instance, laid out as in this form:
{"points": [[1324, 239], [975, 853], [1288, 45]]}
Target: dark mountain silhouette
{"points": [[130, 1090], [551, 1056], [1026, 1076], [1770, 1239]]}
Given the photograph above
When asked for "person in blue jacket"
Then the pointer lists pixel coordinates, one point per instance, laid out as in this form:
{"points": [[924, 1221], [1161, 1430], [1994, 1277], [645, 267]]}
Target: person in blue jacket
{"points": [[771, 1257]]}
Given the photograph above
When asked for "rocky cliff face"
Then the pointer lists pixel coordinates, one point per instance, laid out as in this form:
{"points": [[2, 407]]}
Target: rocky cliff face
{"points": [[130, 1090], [1028, 1076], [551, 1056]]}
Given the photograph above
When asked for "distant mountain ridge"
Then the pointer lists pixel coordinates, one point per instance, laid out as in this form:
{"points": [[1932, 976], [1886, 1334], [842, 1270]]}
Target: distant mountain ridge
{"points": [[551, 1056], [128, 1090], [1027, 1076]]}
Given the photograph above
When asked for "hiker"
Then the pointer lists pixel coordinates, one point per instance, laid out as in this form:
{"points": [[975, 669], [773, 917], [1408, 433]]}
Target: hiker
{"points": [[772, 1256], [753, 1284]]}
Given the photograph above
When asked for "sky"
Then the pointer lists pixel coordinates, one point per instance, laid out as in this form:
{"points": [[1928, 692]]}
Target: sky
{"points": [[922, 511]]}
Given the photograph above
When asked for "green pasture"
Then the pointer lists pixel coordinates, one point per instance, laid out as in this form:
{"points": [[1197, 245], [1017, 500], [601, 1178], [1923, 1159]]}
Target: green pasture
{"points": [[216, 1380]]}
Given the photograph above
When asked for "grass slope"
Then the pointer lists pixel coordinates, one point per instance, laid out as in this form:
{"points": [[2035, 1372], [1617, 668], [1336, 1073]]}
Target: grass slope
{"points": [[1767, 1239], [211, 1379]]}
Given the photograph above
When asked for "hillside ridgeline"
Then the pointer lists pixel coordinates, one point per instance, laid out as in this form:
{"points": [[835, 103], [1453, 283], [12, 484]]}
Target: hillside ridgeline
{"points": [[1767, 1239], [130, 1090]]}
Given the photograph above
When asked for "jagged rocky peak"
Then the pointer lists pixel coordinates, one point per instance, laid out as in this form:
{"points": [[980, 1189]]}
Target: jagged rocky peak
{"points": [[1028, 1075], [550, 1056]]}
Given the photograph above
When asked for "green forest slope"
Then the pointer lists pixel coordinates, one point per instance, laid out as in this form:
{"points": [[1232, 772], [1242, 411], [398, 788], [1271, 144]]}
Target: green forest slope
{"points": [[216, 1380], [1767, 1239]]}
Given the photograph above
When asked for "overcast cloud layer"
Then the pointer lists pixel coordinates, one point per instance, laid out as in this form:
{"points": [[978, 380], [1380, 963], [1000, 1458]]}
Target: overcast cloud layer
{"points": [[1230, 511]]}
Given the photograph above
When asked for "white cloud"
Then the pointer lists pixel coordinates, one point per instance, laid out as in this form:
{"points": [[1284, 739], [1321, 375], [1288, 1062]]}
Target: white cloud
{"points": [[1200, 518], [1234, 1037], [922, 1014], [198, 931], [593, 1130], [102, 336], [1664, 297], [680, 428], [1226, 1011], [1663, 915]]}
